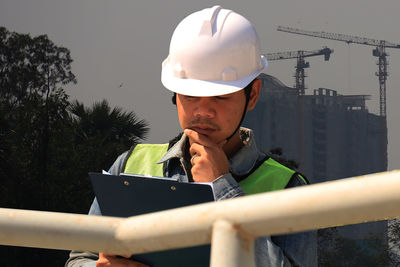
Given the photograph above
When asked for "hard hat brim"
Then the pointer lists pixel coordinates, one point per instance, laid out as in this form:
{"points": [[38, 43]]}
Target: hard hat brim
{"points": [[200, 88]]}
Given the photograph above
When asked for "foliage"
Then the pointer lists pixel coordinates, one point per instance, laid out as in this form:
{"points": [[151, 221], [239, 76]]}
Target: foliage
{"points": [[336, 250], [102, 132], [394, 241], [31, 67], [47, 144], [33, 104], [277, 154]]}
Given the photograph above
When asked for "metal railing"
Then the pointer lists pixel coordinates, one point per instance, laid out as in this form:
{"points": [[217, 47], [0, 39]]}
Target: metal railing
{"points": [[230, 225]]}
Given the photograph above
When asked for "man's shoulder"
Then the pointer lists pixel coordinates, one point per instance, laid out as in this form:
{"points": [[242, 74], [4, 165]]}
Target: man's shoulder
{"points": [[170, 143], [118, 164]]}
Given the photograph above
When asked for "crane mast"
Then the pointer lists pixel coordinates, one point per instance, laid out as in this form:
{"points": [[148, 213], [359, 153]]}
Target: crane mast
{"points": [[379, 51], [382, 74]]}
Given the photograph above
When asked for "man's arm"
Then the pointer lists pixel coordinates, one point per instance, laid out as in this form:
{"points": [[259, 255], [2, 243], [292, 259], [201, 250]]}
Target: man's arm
{"points": [[88, 259], [80, 258], [92, 259]]}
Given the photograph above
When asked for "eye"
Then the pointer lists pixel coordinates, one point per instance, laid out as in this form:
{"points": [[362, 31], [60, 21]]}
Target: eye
{"points": [[188, 97]]}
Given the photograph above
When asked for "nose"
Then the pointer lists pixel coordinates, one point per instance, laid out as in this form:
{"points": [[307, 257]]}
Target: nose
{"points": [[204, 108]]}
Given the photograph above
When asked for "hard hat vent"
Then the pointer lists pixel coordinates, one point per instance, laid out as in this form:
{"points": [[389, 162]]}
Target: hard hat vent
{"points": [[208, 26], [179, 72]]}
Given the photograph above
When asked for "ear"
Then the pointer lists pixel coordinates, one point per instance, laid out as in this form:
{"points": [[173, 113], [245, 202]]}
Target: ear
{"points": [[255, 93], [174, 99]]}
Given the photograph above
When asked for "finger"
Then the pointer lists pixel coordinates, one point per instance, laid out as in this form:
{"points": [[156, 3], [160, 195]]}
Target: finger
{"points": [[192, 159], [113, 255], [115, 260], [125, 256], [197, 149], [195, 137]]}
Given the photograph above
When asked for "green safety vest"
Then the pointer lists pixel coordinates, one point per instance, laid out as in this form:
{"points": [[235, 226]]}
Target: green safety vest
{"points": [[269, 176]]}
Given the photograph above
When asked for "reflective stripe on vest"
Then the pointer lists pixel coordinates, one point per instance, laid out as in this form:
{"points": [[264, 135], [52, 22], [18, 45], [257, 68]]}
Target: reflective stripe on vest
{"points": [[270, 176]]}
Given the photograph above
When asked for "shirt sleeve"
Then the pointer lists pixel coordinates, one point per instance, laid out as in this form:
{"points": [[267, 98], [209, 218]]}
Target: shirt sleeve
{"points": [[226, 187], [86, 258]]}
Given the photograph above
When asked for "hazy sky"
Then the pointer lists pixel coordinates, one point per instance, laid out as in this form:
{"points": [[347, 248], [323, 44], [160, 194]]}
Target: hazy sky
{"points": [[116, 42]]}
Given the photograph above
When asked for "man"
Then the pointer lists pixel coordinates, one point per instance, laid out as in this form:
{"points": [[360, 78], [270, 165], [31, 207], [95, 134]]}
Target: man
{"points": [[212, 69]]}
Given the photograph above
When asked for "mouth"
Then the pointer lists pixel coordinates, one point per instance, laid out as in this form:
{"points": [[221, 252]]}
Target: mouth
{"points": [[203, 129]]}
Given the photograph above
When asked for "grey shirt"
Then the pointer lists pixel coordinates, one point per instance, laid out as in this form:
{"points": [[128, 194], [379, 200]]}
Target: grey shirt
{"points": [[286, 250]]}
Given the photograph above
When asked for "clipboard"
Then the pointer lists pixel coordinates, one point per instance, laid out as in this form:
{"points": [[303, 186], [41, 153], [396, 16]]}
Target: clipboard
{"points": [[131, 195]]}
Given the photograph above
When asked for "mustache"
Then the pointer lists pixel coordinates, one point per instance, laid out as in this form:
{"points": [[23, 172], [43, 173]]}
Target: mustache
{"points": [[203, 121]]}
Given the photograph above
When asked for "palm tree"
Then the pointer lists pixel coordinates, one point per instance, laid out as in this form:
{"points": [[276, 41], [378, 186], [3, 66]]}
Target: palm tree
{"points": [[107, 125], [102, 132]]}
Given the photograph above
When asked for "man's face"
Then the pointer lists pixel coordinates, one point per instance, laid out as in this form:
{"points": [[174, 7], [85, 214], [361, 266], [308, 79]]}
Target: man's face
{"points": [[215, 117]]}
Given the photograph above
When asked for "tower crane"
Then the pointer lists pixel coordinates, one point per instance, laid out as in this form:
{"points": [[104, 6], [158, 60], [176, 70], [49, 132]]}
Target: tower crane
{"points": [[379, 51], [300, 85], [301, 63]]}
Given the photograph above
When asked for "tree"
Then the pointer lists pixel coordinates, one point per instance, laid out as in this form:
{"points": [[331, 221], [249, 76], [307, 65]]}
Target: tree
{"points": [[394, 241], [100, 134], [47, 144], [277, 154], [30, 66], [33, 104], [104, 130], [336, 250], [33, 71]]}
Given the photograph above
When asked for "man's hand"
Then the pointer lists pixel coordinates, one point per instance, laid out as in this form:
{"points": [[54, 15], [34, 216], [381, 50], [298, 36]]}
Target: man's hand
{"points": [[107, 260], [209, 160]]}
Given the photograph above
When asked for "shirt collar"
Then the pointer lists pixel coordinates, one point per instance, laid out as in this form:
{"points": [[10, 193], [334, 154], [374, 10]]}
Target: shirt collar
{"points": [[246, 158], [176, 151]]}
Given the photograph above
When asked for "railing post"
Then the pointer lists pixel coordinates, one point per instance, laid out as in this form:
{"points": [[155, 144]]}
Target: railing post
{"points": [[230, 247]]}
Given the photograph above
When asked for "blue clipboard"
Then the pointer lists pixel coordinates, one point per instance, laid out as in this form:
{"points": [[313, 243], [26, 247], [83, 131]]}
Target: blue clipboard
{"points": [[131, 195]]}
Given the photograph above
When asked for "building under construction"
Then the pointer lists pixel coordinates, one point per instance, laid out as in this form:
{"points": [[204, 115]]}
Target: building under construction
{"points": [[330, 135]]}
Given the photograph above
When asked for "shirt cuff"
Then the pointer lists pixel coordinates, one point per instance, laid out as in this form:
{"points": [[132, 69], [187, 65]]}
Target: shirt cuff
{"points": [[226, 187]]}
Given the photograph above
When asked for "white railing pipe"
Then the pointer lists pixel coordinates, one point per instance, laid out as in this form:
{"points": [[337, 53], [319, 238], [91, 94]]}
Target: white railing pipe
{"points": [[230, 247], [42, 229], [341, 202]]}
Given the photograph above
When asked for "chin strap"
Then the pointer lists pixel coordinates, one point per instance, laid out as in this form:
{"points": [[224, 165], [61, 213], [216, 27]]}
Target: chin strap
{"points": [[242, 119]]}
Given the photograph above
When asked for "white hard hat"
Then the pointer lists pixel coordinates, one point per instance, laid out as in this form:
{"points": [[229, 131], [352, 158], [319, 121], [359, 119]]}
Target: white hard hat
{"points": [[212, 52]]}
